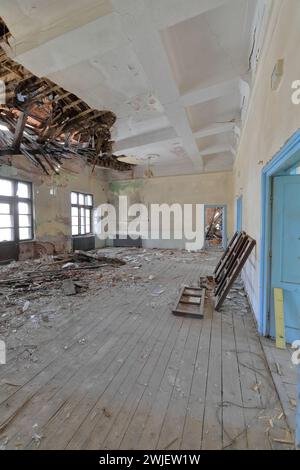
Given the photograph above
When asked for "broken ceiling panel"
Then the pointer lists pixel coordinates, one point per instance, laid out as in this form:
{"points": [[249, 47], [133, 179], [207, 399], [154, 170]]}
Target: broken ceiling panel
{"points": [[48, 124]]}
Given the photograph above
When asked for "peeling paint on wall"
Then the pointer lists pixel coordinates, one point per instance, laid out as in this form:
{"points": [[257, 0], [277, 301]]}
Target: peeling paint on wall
{"points": [[119, 187], [52, 210]]}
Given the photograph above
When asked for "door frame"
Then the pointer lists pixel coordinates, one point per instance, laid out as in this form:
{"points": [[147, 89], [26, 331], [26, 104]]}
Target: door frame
{"points": [[224, 229], [287, 155]]}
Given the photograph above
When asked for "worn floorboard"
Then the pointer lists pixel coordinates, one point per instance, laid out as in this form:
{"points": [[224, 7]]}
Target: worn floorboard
{"points": [[119, 371]]}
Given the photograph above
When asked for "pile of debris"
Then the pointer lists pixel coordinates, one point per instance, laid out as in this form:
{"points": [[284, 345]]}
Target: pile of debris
{"points": [[213, 231], [58, 272]]}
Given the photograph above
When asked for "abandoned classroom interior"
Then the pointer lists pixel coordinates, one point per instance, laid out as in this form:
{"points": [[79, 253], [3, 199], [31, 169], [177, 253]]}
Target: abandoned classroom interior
{"points": [[150, 342]]}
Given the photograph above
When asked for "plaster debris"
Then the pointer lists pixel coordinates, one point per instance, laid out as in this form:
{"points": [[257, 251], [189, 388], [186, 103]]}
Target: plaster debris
{"points": [[256, 387], [293, 403], [4, 443], [106, 413], [157, 292], [68, 287], [58, 325], [37, 436], [26, 306]]}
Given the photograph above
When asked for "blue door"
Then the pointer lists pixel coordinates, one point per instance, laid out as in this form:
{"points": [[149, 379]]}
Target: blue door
{"points": [[285, 270]]}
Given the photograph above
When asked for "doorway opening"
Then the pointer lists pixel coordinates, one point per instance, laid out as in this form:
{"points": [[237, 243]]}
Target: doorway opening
{"points": [[215, 227], [280, 266]]}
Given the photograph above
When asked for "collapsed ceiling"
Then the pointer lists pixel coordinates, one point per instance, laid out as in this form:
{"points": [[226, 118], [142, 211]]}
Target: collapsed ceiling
{"points": [[178, 75], [48, 124]]}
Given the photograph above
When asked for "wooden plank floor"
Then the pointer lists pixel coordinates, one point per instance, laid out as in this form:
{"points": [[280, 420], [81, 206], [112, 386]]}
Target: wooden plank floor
{"points": [[284, 374], [121, 372]]}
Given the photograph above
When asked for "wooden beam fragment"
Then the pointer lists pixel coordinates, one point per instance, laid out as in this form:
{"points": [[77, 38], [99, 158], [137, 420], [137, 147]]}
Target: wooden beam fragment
{"points": [[21, 123]]}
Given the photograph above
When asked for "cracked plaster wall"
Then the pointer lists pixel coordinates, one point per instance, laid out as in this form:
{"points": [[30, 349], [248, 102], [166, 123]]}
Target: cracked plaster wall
{"points": [[51, 195]]}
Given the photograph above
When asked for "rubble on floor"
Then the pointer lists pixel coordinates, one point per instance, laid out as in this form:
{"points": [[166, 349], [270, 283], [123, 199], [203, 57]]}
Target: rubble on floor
{"points": [[34, 292], [236, 299], [58, 344], [213, 229], [33, 276]]}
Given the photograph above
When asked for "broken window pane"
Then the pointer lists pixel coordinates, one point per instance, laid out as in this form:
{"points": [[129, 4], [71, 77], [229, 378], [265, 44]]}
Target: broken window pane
{"points": [[5, 208], [6, 235], [25, 233], [74, 199], [6, 188], [6, 221], [24, 208], [23, 190], [81, 199]]}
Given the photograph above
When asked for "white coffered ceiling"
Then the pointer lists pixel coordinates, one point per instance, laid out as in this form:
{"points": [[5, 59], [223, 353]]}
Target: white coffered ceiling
{"points": [[175, 72]]}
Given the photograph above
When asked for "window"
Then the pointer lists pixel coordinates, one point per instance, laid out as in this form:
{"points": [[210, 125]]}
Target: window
{"points": [[15, 211], [81, 213]]}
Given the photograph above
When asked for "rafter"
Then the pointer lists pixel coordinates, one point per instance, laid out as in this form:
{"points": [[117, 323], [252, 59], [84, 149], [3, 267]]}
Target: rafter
{"points": [[51, 113], [21, 123]]}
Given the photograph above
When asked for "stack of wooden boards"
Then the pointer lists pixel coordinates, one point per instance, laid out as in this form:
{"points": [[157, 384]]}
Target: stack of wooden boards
{"points": [[190, 302], [231, 264]]}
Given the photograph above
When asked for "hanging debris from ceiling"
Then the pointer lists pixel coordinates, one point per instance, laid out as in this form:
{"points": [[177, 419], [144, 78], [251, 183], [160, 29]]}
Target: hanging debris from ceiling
{"points": [[48, 124]]}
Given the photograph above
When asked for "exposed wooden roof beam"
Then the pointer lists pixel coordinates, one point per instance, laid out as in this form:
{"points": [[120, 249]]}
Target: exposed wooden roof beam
{"points": [[21, 123]]}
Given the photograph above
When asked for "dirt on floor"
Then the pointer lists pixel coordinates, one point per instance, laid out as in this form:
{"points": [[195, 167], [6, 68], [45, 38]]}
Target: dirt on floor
{"points": [[35, 295], [95, 358]]}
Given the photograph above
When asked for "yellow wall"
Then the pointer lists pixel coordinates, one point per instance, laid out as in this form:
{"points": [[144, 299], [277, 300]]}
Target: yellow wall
{"points": [[210, 188], [52, 210], [272, 120]]}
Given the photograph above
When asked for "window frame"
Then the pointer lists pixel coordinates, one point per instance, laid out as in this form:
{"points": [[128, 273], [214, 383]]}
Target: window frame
{"points": [[13, 201], [85, 207]]}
